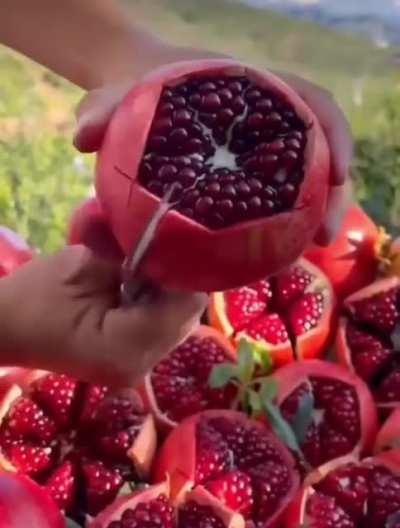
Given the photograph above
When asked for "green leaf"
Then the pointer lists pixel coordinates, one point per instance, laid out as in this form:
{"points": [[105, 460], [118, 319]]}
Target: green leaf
{"points": [[71, 524], [254, 402], [280, 426], [246, 364], [304, 416], [222, 374], [268, 389], [263, 358], [393, 520]]}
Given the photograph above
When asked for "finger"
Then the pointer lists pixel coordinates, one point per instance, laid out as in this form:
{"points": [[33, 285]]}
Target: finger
{"points": [[333, 122], [339, 200]]}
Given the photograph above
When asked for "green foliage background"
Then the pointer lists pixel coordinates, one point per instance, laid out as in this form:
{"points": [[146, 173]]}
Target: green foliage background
{"points": [[42, 178]]}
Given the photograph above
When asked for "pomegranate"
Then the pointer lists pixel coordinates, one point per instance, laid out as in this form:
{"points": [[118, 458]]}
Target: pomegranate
{"points": [[14, 251], [23, 503], [344, 418], [88, 226], [234, 458], [151, 508], [292, 314], [367, 340], [247, 162], [178, 386], [350, 495], [351, 260], [389, 434], [79, 441]]}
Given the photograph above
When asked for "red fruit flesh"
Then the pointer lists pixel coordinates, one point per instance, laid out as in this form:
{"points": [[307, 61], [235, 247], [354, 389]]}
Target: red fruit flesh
{"points": [[291, 314], [80, 443], [350, 261], [178, 385], [14, 251], [248, 162], [344, 417], [234, 458], [350, 495], [23, 503], [367, 339]]}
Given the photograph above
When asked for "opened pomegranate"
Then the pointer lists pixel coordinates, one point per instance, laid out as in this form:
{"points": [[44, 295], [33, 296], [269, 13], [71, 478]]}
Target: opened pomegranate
{"points": [[151, 508], [178, 386], [235, 459], [344, 416], [291, 314], [76, 440], [351, 260], [88, 226], [350, 495], [368, 339], [389, 434], [23, 504], [247, 162], [14, 251]]}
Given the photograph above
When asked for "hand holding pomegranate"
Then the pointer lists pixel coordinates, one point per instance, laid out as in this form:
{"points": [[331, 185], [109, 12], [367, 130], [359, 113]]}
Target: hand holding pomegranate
{"points": [[64, 309]]}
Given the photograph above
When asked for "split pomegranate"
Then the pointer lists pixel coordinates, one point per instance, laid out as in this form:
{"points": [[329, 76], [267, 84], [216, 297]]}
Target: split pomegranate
{"points": [[247, 162], [351, 260], [368, 339], [350, 495], [88, 226], [292, 314], [389, 434], [344, 418], [235, 459], [178, 386], [76, 440], [23, 503], [151, 508], [14, 251]]}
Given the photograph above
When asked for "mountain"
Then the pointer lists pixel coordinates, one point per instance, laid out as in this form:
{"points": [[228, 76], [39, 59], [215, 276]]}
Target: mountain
{"points": [[378, 20]]}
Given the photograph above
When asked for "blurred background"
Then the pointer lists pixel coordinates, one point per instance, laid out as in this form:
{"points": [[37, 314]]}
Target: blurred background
{"points": [[351, 47]]}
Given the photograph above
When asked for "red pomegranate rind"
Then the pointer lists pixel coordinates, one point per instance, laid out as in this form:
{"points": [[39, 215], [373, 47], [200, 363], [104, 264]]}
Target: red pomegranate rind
{"points": [[14, 251], [83, 463], [218, 258], [24, 503], [344, 416], [350, 261], [217, 443], [89, 226], [350, 495], [291, 314], [366, 339], [178, 385]]}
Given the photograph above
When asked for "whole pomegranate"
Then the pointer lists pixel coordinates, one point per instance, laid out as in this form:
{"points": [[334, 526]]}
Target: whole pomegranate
{"points": [[23, 503], [234, 458], [14, 251], [351, 260], [343, 417], [178, 386], [292, 313], [80, 441], [151, 508], [246, 162], [368, 339], [350, 495]]}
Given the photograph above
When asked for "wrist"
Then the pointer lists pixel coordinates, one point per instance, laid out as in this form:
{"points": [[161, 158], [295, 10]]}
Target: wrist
{"points": [[9, 332]]}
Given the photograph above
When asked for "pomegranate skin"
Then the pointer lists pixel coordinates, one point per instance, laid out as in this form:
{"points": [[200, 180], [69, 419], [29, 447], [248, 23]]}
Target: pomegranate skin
{"points": [[185, 254]]}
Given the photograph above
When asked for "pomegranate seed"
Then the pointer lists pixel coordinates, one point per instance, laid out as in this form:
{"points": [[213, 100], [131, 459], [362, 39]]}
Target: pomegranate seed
{"points": [[234, 490]]}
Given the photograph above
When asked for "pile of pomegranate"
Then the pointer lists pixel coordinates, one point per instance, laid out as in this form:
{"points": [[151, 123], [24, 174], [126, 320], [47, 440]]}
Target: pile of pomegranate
{"points": [[282, 410]]}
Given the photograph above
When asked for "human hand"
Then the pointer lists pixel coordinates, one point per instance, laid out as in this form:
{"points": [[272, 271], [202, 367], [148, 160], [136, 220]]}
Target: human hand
{"points": [[62, 313]]}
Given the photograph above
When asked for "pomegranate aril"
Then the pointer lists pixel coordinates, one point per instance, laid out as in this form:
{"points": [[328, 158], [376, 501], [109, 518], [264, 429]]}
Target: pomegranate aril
{"points": [[115, 446], [324, 512], [62, 485], [101, 485], [234, 489], [384, 498], [305, 313], [269, 328], [93, 395], [291, 285], [118, 412], [193, 515], [30, 460], [26, 418], [213, 455], [56, 393], [389, 389], [380, 311], [334, 443], [271, 481], [154, 514]]}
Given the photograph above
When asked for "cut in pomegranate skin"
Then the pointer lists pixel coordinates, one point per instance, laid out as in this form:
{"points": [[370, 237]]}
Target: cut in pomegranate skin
{"points": [[292, 314], [350, 495], [14, 251], [344, 415], [151, 508], [24, 504], [178, 386], [76, 440], [351, 260], [368, 339], [234, 458], [248, 163]]}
